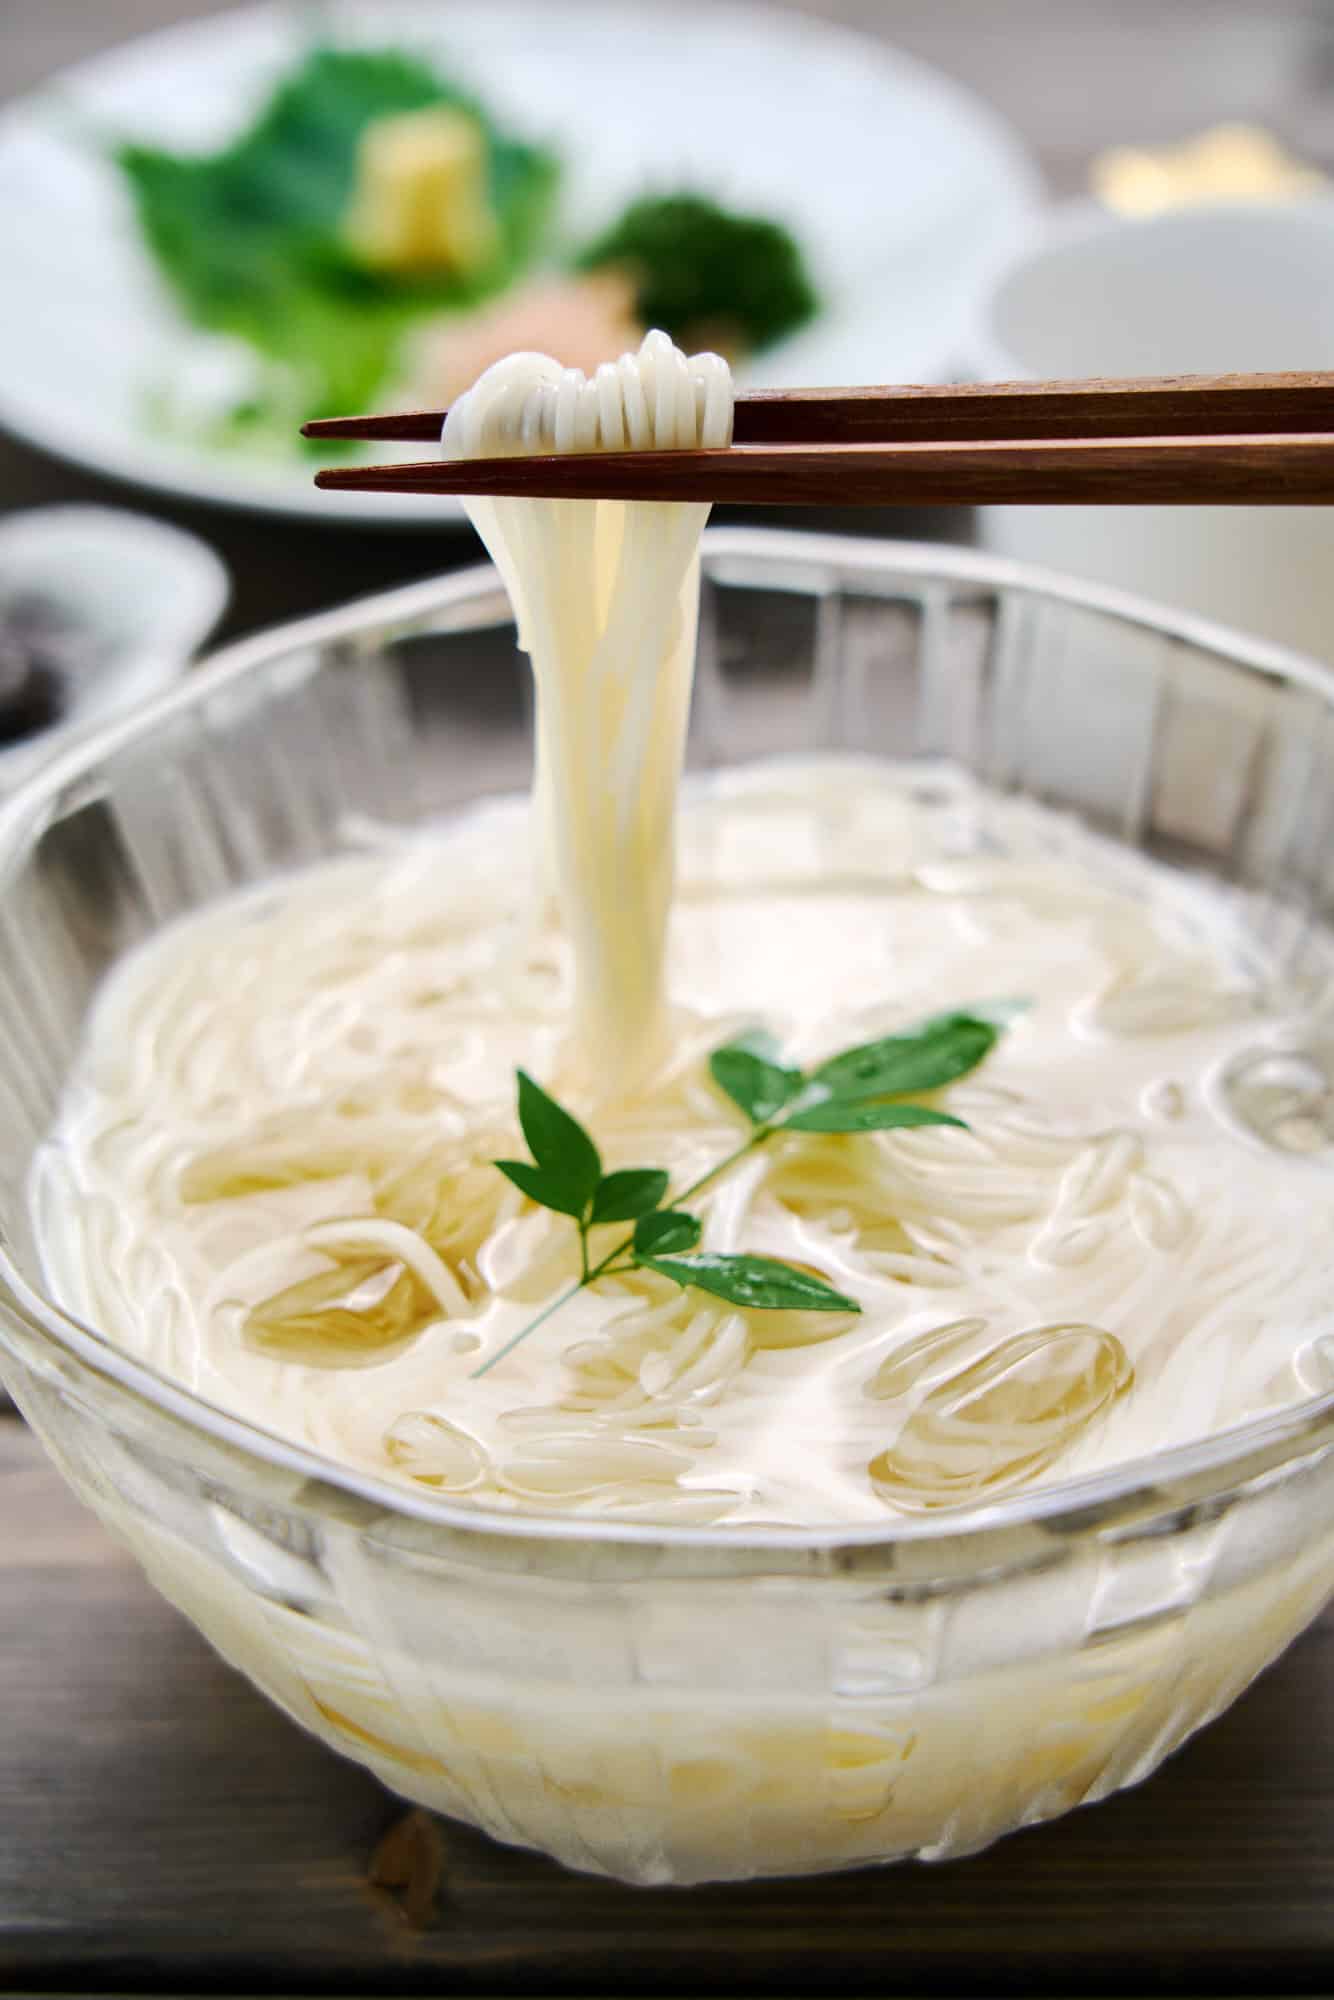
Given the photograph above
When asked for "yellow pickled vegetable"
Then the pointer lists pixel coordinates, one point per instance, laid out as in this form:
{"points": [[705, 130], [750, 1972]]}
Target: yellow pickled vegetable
{"points": [[421, 203]]}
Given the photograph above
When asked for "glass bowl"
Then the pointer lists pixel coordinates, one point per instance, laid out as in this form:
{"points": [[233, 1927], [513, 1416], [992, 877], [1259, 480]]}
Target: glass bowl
{"points": [[691, 1704]]}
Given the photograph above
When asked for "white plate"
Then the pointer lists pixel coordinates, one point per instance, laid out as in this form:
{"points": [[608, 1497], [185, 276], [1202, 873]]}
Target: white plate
{"points": [[902, 189]]}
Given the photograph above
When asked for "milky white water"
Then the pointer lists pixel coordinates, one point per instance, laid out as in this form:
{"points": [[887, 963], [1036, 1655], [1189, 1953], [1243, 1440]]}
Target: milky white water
{"points": [[326, 1067]]}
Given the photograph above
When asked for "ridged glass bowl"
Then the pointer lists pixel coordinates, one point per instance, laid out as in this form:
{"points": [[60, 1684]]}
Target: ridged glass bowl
{"points": [[690, 1704]]}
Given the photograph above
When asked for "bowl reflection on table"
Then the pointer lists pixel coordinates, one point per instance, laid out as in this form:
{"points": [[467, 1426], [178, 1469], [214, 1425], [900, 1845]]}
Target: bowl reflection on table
{"points": [[684, 1704]]}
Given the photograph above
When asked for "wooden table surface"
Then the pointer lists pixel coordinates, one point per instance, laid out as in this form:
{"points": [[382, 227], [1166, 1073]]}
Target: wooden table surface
{"points": [[163, 1829]]}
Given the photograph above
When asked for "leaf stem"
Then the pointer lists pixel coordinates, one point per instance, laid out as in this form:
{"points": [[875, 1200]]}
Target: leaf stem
{"points": [[757, 1138], [562, 1298]]}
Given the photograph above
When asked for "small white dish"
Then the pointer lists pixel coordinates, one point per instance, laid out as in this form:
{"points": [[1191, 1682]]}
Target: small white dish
{"points": [[143, 597], [901, 187]]}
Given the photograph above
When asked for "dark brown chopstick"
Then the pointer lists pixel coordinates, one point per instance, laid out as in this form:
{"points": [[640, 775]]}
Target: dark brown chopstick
{"points": [[1172, 406], [1284, 470]]}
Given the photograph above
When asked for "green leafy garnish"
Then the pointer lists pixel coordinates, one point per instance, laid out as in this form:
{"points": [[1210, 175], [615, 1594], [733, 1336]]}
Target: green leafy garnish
{"points": [[941, 1049], [704, 274], [762, 1283], [759, 1087], [837, 1114], [860, 1090], [670, 1229], [560, 1146], [565, 1170], [250, 237], [540, 1187], [633, 1192]]}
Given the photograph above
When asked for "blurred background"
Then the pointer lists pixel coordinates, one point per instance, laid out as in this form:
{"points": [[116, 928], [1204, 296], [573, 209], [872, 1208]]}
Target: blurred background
{"points": [[852, 190]]}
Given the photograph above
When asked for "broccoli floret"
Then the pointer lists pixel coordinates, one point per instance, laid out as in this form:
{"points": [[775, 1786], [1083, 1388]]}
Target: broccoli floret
{"points": [[702, 271]]}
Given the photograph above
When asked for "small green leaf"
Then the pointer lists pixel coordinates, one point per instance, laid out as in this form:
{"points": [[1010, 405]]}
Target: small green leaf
{"points": [[743, 1070], [758, 1282], [666, 1229], [632, 1192], [837, 1114], [923, 1058], [569, 1160], [538, 1185]]}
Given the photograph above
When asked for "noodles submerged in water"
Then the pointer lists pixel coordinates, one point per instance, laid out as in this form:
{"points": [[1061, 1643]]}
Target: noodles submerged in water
{"points": [[273, 1171]]}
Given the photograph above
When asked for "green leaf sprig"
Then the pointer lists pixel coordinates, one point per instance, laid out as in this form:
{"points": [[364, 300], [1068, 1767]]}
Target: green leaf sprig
{"points": [[862, 1090]]}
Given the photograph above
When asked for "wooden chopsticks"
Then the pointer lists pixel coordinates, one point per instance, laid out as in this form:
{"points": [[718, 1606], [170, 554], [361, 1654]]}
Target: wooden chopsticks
{"points": [[1179, 405], [1216, 440]]}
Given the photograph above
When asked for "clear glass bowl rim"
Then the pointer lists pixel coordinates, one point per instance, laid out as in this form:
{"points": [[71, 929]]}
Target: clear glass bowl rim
{"points": [[1161, 1482]]}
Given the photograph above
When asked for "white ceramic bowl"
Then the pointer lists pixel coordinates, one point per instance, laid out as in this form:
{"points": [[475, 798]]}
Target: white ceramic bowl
{"points": [[1230, 287], [144, 597]]}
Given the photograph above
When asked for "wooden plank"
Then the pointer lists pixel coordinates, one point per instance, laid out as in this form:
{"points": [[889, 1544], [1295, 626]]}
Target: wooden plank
{"points": [[163, 1829]]}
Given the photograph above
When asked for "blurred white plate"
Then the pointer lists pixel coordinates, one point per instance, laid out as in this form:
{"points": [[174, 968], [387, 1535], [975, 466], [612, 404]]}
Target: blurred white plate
{"points": [[903, 190]]}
